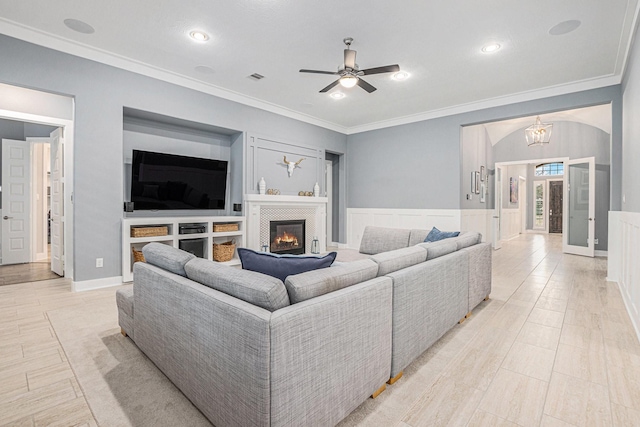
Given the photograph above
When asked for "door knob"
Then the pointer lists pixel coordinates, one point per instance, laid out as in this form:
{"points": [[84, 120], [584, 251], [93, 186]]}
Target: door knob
{"points": [[7, 217]]}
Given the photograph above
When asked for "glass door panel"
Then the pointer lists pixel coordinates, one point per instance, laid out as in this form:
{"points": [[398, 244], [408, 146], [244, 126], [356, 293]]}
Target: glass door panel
{"points": [[579, 227]]}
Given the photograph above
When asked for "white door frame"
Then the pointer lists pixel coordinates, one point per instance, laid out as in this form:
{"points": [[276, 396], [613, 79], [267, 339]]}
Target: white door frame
{"points": [[67, 126], [545, 189], [522, 185], [497, 211], [328, 182]]}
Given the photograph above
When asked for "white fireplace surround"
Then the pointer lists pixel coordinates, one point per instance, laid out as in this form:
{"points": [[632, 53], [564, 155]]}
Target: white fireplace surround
{"points": [[261, 209]]}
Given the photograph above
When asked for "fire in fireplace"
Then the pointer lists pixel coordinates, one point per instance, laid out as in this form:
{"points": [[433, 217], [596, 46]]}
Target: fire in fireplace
{"points": [[287, 237]]}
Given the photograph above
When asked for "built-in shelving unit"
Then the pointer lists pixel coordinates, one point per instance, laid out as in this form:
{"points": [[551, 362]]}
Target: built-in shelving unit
{"points": [[173, 236]]}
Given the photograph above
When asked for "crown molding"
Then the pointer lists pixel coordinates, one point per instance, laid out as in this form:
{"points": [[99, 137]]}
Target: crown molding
{"points": [[54, 42], [492, 102], [60, 44]]}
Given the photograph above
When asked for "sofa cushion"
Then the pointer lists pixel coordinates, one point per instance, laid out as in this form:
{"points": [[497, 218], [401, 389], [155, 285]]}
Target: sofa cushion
{"points": [[439, 248], [255, 288], [468, 238], [281, 266], [435, 235], [380, 239], [311, 284], [167, 257], [417, 236], [391, 261]]}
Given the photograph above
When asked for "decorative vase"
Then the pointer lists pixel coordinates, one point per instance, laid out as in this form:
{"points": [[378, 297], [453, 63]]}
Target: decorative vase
{"points": [[262, 186], [316, 190], [315, 245]]}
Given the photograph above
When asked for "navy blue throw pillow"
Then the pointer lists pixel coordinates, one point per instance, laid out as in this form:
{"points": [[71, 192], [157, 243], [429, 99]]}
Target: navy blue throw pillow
{"points": [[435, 235], [281, 266]]}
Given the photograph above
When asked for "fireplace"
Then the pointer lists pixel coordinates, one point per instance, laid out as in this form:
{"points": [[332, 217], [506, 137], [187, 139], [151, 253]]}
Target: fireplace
{"points": [[287, 237]]}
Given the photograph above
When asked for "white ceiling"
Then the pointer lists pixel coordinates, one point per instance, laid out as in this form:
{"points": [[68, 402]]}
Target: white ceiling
{"points": [[438, 43]]}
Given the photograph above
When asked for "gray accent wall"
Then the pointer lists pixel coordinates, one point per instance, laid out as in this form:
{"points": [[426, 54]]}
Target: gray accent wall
{"points": [[265, 159], [418, 165], [476, 152], [101, 92], [630, 183]]}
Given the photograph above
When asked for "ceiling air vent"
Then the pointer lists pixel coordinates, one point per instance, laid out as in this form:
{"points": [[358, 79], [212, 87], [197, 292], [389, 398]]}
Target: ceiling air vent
{"points": [[256, 76]]}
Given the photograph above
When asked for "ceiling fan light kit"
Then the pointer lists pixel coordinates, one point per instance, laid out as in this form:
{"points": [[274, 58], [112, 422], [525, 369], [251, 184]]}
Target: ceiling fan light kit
{"points": [[350, 74]]}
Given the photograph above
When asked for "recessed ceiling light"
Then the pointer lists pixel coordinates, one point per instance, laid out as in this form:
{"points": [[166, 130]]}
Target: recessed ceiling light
{"points": [[564, 27], [199, 36], [400, 75], [337, 95], [490, 48], [79, 26], [204, 69]]}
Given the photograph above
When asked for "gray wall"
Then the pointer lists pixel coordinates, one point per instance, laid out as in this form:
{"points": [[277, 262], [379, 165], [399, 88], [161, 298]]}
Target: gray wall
{"points": [[418, 165], [100, 94], [630, 185], [573, 140], [515, 172]]}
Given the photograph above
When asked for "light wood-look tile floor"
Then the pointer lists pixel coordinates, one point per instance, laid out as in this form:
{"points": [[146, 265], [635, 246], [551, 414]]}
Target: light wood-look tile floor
{"points": [[553, 347]]}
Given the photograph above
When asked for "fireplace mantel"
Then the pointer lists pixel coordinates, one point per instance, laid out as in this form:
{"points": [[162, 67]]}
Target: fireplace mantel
{"points": [[268, 199], [260, 209]]}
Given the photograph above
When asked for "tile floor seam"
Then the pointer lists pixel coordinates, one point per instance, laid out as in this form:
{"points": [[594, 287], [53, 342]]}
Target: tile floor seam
{"points": [[75, 376]]}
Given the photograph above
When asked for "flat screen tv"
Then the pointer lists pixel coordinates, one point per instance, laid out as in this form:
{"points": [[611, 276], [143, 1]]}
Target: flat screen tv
{"points": [[162, 181]]}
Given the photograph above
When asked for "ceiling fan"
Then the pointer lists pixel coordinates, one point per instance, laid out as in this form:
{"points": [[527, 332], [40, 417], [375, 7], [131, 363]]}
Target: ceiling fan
{"points": [[350, 74]]}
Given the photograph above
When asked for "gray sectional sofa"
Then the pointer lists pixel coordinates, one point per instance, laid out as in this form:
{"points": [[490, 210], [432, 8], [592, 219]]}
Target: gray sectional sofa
{"points": [[248, 349]]}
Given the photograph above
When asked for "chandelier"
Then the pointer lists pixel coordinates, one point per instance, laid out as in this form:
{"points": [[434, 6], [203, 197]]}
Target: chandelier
{"points": [[538, 133]]}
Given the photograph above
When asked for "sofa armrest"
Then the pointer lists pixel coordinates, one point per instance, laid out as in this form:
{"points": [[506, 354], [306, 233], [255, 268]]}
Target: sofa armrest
{"points": [[329, 353], [213, 347]]}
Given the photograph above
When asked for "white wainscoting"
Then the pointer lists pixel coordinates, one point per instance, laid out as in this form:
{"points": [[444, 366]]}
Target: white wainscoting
{"points": [[479, 220], [444, 219], [623, 265], [510, 227]]}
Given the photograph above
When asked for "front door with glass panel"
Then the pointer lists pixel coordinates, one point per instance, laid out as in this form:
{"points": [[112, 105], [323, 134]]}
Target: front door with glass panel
{"points": [[579, 207]]}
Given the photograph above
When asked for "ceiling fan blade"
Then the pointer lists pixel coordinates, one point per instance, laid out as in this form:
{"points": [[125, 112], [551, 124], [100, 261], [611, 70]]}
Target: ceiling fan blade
{"points": [[379, 70], [319, 72], [366, 86], [331, 86], [349, 58]]}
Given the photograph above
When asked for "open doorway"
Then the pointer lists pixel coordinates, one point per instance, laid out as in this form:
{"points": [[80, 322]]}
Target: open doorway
{"points": [[26, 203]]}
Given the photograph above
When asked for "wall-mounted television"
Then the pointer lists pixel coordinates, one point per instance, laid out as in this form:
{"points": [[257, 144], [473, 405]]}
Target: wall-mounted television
{"points": [[162, 181]]}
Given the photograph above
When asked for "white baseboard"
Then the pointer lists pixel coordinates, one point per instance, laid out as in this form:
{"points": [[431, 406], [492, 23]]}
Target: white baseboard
{"points": [[89, 285], [602, 253]]}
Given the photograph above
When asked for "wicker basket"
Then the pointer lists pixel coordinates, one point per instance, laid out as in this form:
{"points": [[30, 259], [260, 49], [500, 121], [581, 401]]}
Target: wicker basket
{"points": [[223, 251], [138, 256], [225, 227], [149, 231]]}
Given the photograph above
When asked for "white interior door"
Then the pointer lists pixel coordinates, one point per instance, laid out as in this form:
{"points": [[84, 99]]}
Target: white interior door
{"points": [[328, 193], [579, 222], [57, 202], [16, 202], [497, 244]]}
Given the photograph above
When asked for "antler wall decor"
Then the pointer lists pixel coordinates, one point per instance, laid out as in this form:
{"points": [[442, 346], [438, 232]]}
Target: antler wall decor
{"points": [[291, 166]]}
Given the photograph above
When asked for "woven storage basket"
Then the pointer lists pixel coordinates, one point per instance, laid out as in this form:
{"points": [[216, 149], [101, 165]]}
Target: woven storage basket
{"points": [[223, 251], [138, 256], [149, 231], [225, 227]]}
